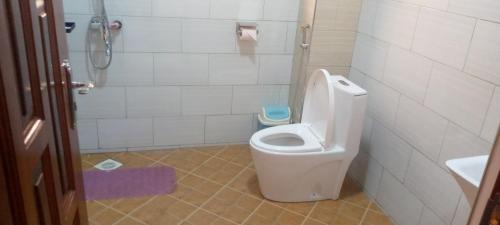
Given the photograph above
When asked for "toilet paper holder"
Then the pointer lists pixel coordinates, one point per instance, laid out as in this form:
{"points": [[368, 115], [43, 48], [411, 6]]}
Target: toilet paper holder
{"points": [[246, 25]]}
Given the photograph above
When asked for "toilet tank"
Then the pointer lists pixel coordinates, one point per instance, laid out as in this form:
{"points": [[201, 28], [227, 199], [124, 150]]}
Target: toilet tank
{"points": [[350, 106]]}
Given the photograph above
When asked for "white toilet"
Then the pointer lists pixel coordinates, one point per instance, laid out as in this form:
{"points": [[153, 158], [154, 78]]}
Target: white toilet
{"points": [[309, 160]]}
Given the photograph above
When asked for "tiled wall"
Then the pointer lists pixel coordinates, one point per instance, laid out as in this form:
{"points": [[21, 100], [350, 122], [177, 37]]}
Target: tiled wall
{"points": [[432, 73], [332, 44], [179, 75]]}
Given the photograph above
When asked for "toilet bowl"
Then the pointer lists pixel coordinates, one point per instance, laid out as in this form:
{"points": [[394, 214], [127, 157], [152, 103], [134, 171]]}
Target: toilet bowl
{"points": [[308, 161]]}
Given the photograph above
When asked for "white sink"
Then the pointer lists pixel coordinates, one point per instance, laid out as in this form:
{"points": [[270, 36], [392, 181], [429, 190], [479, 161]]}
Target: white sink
{"points": [[468, 172]]}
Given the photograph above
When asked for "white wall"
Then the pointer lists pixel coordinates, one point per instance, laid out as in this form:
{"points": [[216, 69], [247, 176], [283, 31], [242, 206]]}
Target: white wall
{"points": [[432, 73], [179, 75]]}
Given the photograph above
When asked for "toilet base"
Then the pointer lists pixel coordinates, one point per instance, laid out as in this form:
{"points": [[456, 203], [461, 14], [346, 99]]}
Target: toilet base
{"points": [[300, 177]]}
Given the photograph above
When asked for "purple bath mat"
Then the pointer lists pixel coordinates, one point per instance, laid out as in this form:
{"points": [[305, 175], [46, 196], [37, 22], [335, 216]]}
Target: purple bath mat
{"points": [[123, 183]]}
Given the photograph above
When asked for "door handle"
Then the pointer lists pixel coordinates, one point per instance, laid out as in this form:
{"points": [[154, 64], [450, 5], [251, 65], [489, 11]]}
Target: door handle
{"points": [[304, 44], [82, 87]]}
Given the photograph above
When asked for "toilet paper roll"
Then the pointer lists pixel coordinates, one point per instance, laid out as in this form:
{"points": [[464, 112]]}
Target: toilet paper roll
{"points": [[248, 34]]}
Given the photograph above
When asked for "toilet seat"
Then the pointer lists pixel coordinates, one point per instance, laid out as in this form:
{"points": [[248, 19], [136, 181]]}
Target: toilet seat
{"points": [[293, 138]]}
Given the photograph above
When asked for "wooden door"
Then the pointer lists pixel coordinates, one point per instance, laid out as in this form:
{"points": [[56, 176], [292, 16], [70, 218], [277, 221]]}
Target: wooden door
{"points": [[41, 173]]}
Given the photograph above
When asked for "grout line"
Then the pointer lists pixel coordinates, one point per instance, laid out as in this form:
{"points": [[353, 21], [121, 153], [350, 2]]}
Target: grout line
{"points": [[309, 213], [218, 191], [365, 213]]}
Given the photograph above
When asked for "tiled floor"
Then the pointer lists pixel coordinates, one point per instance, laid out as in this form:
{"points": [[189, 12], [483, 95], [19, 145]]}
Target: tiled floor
{"points": [[218, 186]]}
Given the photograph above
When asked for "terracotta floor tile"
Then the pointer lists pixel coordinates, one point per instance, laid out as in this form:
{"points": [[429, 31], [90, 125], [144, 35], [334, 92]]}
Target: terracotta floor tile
{"points": [[201, 198], [373, 206], [247, 182], [163, 210], [127, 205], [239, 154], [185, 159], [375, 218], [232, 205], [93, 208], [288, 218], [218, 170], [107, 217], [129, 221], [210, 150], [302, 208], [312, 222], [360, 199], [133, 160], [95, 157], [195, 190], [352, 211], [344, 220], [326, 211], [155, 154]]}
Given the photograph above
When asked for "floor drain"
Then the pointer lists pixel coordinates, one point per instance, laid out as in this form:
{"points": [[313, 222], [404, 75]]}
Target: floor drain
{"points": [[108, 164]]}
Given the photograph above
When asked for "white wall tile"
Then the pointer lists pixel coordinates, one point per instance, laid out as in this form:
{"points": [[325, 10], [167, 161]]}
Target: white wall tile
{"points": [[434, 186], [228, 128], [436, 4], [382, 102], [87, 134], [184, 8], [77, 6], [367, 15], [492, 121], [129, 7], [421, 127], [108, 102], [149, 34], [459, 97], [407, 72], [463, 212], [237, 9], [484, 9], [460, 143], [275, 69], [284, 93], [126, 69], [233, 69], [366, 134], [210, 36], [116, 133], [485, 51], [369, 56], [398, 202], [290, 37], [367, 172], [281, 10], [179, 130], [272, 38], [250, 99], [395, 22], [390, 150], [428, 218], [130, 69], [153, 101], [181, 69], [357, 77], [444, 37], [205, 100]]}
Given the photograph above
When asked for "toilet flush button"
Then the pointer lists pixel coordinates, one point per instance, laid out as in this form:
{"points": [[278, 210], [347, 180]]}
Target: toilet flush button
{"points": [[343, 83]]}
